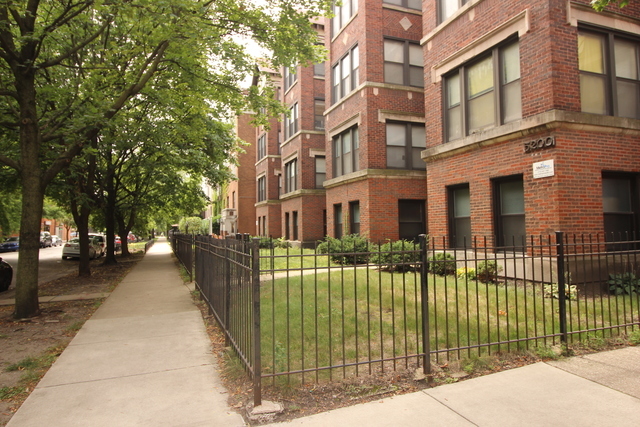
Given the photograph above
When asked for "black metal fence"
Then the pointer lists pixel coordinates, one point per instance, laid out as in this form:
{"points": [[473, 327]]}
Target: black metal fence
{"points": [[300, 315], [183, 248]]}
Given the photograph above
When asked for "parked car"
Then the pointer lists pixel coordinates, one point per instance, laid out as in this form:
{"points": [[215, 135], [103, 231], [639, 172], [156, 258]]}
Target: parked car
{"points": [[45, 239], [6, 274], [101, 241], [118, 244], [56, 240], [71, 249], [12, 244]]}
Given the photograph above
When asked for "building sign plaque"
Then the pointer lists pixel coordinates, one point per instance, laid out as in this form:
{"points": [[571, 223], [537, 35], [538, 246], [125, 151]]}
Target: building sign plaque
{"points": [[543, 169], [539, 144]]}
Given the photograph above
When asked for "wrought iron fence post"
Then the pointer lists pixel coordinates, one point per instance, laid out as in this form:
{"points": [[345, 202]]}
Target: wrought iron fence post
{"points": [[226, 288], [426, 366], [562, 297], [257, 359]]}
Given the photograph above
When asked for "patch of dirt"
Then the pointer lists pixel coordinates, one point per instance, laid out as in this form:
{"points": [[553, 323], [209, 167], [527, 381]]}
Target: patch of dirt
{"points": [[57, 324], [302, 400]]}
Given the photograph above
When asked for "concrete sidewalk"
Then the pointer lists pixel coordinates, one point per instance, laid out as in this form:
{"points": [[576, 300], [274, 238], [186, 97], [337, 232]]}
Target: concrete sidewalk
{"points": [[143, 359], [601, 389]]}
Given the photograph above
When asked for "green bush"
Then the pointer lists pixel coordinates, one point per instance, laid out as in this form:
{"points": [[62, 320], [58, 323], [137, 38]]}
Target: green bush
{"points": [[551, 291], [442, 264], [271, 243], [466, 273], [350, 249], [487, 271], [624, 284], [401, 255]]}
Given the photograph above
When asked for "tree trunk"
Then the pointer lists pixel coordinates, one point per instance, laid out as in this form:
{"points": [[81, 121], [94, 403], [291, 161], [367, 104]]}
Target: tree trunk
{"points": [[110, 220], [32, 199]]}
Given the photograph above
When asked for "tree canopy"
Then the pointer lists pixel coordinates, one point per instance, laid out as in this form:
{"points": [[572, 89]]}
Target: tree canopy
{"points": [[600, 5], [68, 68]]}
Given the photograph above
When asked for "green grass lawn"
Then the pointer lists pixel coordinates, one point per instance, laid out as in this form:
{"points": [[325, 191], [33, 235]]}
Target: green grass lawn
{"points": [[352, 316]]}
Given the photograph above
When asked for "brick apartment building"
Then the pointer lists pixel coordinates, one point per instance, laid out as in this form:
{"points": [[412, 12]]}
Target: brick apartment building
{"points": [[268, 170], [532, 111], [459, 118]]}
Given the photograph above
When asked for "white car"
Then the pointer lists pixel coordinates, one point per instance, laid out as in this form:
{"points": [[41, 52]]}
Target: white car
{"points": [[101, 241], [71, 249], [55, 240]]}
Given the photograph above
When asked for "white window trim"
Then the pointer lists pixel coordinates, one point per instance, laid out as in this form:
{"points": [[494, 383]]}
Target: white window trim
{"points": [[350, 122], [519, 23], [385, 115], [581, 13]]}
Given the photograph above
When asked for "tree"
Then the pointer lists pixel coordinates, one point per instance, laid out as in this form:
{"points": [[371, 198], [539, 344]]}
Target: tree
{"points": [[68, 67], [600, 5]]}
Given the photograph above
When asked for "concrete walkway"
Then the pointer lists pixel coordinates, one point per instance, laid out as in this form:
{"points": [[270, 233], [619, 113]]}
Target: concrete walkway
{"points": [[143, 359], [597, 390]]}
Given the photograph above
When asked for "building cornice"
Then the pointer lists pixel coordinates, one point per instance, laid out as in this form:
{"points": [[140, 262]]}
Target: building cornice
{"points": [[547, 121], [365, 174]]}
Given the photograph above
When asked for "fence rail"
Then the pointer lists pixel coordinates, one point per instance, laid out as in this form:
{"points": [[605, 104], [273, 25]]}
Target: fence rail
{"points": [[298, 315]]}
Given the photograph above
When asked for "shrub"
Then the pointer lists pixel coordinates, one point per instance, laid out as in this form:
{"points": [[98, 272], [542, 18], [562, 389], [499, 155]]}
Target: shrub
{"points": [[624, 284], [466, 273], [442, 264], [487, 271], [551, 291], [349, 249], [401, 255], [271, 243]]}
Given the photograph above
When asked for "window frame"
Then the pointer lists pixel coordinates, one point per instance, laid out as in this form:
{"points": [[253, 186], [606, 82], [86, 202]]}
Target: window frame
{"points": [[455, 240], [499, 216], [633, 215], [337, 220], [406, 62], [609, 75], [262, 189], [338, 155], [411, 205], [291, 121], [321, 177], [291, 176], [408, 145], [403, 3], [498, 90], [289, 78], [441, 9], [262, 146], [342, 15], [338, 78], [318, 115], [354, 208]]}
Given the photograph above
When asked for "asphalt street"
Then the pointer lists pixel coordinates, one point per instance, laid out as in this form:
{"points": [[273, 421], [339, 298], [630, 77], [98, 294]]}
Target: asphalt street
{"points": [[51, 265]]}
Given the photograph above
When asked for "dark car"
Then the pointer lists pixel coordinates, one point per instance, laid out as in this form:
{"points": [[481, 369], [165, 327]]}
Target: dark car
{"points": [[12, 244], [6, 274]]}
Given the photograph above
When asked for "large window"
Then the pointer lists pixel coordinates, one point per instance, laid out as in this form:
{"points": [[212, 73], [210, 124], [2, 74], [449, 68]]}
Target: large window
{"points": [[620, 206], [459, 216], [448, 7], [354, 217], [291, 122], [345, 75], [337, 221], [346, 152], [410, 4], [318, 113], [321, 171], [509, 211], [403, 63], [262, 146], [262, 189], [484, 93], [405, 141], [290, 77], [609, 74], [342, 14], [412, 219], [290, 176]]}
